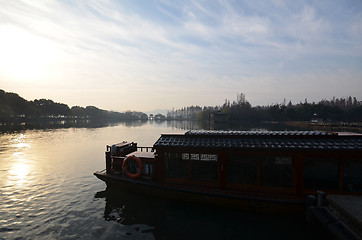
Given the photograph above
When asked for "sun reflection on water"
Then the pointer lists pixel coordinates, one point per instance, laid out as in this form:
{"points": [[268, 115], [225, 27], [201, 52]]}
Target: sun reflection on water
{"points": [[20, 167], [19, 172]]}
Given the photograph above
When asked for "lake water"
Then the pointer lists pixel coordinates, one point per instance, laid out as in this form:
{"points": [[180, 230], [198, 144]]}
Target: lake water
{"points": [[48, 191]]}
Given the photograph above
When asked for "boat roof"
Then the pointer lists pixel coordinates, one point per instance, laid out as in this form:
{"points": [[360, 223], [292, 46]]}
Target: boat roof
{"points": [[258, 133], [267, 140]]}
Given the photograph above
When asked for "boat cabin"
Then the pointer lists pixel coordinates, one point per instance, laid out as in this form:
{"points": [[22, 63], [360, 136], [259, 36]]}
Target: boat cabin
{"points": [[272, 164]]}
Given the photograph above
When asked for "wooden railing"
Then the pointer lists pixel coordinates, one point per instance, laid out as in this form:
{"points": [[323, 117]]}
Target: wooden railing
{"points": [[114, 162]]}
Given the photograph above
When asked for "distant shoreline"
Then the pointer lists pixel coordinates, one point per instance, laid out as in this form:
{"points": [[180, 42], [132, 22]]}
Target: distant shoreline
{"points": [[328, 126], [264, 125]]}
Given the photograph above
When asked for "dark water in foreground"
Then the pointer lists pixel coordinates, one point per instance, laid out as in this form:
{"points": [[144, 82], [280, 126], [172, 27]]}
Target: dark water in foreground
{"points": [[48, 191]]}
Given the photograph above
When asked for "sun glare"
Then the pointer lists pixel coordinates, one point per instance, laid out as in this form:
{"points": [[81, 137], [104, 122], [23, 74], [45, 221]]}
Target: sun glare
{"points": [[19, 172], [23, 55], [21, 168]]}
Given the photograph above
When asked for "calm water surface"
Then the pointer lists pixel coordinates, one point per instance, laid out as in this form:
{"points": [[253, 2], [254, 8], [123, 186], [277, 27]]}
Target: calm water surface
{"points": [[48, 191]]}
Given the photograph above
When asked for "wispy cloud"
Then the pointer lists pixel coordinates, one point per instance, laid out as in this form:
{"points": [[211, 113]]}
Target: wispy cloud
{"points": [[183, 50]]}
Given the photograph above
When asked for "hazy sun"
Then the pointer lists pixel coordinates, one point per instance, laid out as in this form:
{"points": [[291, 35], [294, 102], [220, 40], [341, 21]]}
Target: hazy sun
{"points": [[22, 54]]}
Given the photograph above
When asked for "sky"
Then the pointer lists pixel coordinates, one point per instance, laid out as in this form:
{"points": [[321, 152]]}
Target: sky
{"points": [[142, 55]]}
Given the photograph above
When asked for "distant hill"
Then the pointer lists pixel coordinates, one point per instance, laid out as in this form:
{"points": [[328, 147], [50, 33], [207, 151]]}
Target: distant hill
{"points": [[14, 108]]}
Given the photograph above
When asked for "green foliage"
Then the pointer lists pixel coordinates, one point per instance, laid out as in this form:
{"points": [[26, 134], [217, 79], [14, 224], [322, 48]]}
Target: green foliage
{"points": [[17, 104], [78, 112], [6, 113], [355, 114], [186, 113], [129, 115], [14, 108], [342, 109], [159, 117], [203, 116], [50, 108]]}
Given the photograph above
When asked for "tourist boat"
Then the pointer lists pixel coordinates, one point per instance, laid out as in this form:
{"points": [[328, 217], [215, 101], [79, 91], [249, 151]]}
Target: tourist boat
{"points": [[267, 171]]}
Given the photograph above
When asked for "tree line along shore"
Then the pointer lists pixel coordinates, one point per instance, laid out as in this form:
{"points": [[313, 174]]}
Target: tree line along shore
{"points": [[14, 108]]}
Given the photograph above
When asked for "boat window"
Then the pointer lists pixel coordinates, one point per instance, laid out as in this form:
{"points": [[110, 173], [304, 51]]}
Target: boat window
{"points": [[175, 165], [200, 167], [204, 167], [321, 173], [242, 169], [352, 177], [276, 172]]}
